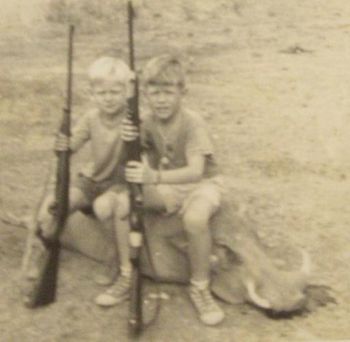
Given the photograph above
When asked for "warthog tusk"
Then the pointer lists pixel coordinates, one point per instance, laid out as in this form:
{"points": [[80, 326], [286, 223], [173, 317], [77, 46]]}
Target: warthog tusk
{"points": [[306, 263], [259, 301]]}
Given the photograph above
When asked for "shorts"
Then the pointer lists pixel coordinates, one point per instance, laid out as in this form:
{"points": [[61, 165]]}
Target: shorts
{"points": [[92, 189], [177, 197]]}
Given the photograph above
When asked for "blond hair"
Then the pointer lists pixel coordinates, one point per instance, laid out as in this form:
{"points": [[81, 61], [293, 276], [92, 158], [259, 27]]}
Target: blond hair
{"points": [[164, 69], [109, 67]]}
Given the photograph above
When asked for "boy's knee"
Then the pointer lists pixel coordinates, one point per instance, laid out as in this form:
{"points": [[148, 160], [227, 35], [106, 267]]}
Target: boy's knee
{"points": [[45, 218], [48, 228], [195, 222], [123, 205], [103, 207], [77, 199], [197, 215], [111, 204]]}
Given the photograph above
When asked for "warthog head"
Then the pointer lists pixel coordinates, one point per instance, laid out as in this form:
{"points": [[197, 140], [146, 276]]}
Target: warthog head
{"points": [[279, 291], [250, 275]]}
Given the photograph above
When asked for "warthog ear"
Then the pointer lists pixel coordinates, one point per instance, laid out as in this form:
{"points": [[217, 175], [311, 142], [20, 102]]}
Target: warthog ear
{"points": [[256, 299]]}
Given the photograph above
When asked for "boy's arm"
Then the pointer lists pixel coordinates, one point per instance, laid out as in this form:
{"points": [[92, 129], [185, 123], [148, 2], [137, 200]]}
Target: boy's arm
{"points": [[137, 172], [193, 172], [142, 173], [80, 133]]}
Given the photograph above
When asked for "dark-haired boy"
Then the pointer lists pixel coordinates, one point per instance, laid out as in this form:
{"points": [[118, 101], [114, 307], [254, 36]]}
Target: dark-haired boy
{"points": [[180, 175]]}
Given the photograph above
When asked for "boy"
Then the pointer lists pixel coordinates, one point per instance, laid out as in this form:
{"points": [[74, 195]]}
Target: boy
{"points": [[180, 174], [101, 183]]}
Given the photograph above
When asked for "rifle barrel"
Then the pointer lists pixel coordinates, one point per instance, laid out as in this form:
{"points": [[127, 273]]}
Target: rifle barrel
{"points": [[131, 15], [135, 322], [70, 67], [44, 291]]}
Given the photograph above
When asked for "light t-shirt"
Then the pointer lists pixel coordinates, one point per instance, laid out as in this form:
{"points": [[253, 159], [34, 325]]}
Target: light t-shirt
{"points": [[186, 136], [106, 146]]}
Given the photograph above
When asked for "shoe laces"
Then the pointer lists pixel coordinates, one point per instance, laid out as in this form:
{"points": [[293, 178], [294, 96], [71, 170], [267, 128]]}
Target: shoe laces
{"points": [[121, 285], [203, 299]]}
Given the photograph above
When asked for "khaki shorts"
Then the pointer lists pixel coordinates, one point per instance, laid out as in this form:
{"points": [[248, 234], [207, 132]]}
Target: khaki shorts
{"points": [[92, 189], [177, 197]]}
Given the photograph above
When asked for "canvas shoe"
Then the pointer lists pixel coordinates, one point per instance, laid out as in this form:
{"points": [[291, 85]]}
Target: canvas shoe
{"points": [[209, 311], [106, 275], [104, 279], [116, 294]]}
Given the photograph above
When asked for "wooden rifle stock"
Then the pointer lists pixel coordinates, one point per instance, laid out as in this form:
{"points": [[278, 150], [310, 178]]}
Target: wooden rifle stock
{"points": [[135, 322], [44, 291]]}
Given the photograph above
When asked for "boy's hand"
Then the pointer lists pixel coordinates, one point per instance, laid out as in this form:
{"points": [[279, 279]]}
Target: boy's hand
{"points": [[129, 130], [141, 173], [61, 143]]}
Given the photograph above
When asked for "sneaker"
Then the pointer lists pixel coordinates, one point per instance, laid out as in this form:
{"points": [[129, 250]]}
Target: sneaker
{"points": [[106, 276], [116, 294], [209, 311], [103, 279]]}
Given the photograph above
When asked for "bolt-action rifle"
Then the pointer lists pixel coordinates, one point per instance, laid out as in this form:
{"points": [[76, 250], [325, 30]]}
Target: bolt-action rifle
{"points": [[133, 149], [44, 290]]}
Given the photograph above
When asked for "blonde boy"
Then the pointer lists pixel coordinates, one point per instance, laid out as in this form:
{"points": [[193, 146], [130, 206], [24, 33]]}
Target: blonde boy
{"points": [[100, 183], [180, 175]]}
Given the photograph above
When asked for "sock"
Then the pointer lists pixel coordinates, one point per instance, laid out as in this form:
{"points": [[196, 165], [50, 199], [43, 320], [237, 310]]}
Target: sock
{"points": [[200, 284], [125, 271]]}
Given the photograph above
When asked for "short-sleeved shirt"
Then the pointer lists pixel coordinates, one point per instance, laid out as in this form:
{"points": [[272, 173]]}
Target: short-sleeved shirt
{"points": [[186, 136], [106, 146]]}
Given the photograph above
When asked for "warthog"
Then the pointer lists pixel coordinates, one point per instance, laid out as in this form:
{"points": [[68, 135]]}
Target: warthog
{"points": [[242, 268], [251, 275]]}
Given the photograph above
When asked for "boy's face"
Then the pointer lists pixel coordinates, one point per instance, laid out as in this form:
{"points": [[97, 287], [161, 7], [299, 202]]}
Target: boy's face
{"points": [[164, 99], [110, 96]]}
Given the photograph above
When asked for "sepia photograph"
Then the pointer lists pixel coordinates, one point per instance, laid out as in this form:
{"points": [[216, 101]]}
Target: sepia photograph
{"points": [[174, 170]]}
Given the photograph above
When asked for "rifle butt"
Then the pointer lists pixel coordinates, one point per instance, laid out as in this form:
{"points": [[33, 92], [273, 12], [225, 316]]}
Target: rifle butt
{"points": [[43, 289], [135, 323]]}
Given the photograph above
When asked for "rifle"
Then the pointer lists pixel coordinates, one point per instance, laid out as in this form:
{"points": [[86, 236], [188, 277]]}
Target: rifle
{"points": [[44, 291], [133, 148]]}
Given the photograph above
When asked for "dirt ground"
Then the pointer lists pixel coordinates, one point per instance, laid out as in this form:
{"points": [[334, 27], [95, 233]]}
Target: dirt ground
{"points": [[272, 79]]}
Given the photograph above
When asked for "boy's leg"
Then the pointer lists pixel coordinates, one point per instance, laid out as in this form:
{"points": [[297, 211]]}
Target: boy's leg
{"points": [[196, 219], [196, 225], [77, 200], [108, 271], [197, 210], [114, 208]]}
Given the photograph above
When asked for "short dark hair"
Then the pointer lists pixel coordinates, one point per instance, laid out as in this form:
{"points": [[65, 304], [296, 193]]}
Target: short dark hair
{"points": [[164, 69]]}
